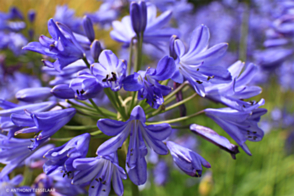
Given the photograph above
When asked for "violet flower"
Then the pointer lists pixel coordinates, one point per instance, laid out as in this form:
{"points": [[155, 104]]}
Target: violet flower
{"points": [[240, 125], [147, 85], [101, 170], [110, 71], [195, 66], [60, 48], [137, 130], [64, 155], [187, 160]]}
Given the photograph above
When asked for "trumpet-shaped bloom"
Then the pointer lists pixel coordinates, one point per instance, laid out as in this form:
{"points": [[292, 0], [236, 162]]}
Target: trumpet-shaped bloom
{"points": [[64, 155], [137, 130], [187, 160], [215, 138], [154, 33], [194, 65], [101, 170], [110, 71], [232, 94], [42, 121], [240, 125], [146, 82], [138, 13], [14, 151], [11, 109], [63, 50]]}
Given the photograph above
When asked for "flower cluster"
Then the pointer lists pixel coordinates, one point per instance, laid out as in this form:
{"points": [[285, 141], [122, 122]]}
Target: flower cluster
{"points": [[126, 98]]}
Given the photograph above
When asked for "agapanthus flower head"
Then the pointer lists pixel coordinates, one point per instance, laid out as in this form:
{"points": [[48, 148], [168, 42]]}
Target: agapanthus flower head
{"points": [[215, 138], [64, 155], [240, 125], [194, 65], [187, 160], [63, 50], [137, 130], [155, 32], [110, 71], [147, 85], [100, 171]]}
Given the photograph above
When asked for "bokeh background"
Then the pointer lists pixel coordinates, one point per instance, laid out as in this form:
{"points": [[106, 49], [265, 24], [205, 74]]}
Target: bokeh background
{"points": [[270, 170]]}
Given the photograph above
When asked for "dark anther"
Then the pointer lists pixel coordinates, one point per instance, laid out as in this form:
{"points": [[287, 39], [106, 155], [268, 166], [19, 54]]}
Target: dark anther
{"points": [[131, 154], [104, 190], [82, 91], [244, 106], [97, 179], [64, 175], [104, 182], [52, 45], [100, 179], [197, 69], [199, 82], [254, 137], [92, 187], [114, 76], [249, 136], [105, 79], [209, 77], [254, 132], [131, 150], [78, 92], [31, 140]]}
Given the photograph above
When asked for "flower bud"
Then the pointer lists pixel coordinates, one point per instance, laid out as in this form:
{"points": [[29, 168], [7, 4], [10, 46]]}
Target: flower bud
{"points": [[33, 94], [88, 28], [95, 49], [31, 15], [63, 91], [138, 13]]}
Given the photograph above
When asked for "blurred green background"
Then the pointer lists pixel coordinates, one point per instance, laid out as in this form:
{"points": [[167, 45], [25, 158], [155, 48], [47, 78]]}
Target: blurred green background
{"points": [[270, 171]]}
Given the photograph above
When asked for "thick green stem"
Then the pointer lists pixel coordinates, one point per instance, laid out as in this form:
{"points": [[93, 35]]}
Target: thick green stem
{"points": [[107, 112], [176, 119], [135, 190], [69, 127], [97, 108], [139, 52], [130, 56]]}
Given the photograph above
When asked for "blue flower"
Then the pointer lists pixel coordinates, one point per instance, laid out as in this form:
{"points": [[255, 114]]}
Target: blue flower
{"points": [[146, 82], [154, 34], [215, 138], [101, 170], [110, 71], [240, 125], [14, 151], [8, 124], [232, 94], [7, 184], [187, 160], [64, 155], [85, 86], [43, 121], [194, 65], [137, 130], [63, 50]]}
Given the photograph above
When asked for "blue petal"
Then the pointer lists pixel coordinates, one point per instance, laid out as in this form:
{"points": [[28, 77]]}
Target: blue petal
{"points": [[199, 41], [165, 68], [111, 127], [133, 82], [138, 114]]}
